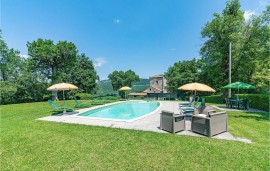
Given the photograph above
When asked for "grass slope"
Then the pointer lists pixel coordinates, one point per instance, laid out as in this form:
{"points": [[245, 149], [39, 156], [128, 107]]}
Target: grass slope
{"points": [[29, 144]]}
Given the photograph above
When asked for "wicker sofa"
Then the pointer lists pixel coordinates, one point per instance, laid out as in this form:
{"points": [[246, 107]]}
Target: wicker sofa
{"points": [[171, 122], [210, 124]]}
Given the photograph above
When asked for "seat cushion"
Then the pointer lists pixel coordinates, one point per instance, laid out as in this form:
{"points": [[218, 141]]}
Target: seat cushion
{"points": [[201, 115]]}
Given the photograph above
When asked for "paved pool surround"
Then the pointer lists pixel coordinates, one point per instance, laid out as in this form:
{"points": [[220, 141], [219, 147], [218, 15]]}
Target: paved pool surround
{"points": [[149, 123]]}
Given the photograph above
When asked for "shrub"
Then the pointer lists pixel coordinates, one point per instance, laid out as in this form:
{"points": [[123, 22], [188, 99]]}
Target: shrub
{"points": [[111, 98], [258, 101], [214, 99], [7, 92], [46, 97], [83, 96]]}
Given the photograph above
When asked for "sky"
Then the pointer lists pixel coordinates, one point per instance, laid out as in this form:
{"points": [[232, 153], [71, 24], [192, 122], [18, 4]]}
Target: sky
{"points": [[146, 36]]}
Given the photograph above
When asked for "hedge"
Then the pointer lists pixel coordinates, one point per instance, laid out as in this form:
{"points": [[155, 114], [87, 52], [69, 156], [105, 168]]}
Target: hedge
{"points": [[214, 99], [258, 101], [83, 96]]}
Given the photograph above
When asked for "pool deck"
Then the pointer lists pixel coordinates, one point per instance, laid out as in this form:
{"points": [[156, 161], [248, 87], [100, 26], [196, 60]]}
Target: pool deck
{"points": [[148, 123]]}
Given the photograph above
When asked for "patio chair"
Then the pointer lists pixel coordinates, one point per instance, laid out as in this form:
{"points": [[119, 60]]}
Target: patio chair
{"points": [[211, 124], [78, 104], [190, 104], [60, 108], [186, 110], [187, 103], [171, 122], [244, 104]]}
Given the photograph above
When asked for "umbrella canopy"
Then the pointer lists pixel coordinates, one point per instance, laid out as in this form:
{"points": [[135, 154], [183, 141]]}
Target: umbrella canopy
{"points": [[124, 89], [196, 87], [62, 86], [239, 85]]}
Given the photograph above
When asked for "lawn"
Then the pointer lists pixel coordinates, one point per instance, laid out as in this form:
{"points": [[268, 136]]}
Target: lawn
{"points": [[30, 144]]}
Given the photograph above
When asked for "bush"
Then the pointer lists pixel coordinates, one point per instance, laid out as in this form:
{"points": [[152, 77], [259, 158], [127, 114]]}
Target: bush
{"points": [[258, 101], [111, 98], [7, 92], [214, 99], [83, 96], [46, 97]]}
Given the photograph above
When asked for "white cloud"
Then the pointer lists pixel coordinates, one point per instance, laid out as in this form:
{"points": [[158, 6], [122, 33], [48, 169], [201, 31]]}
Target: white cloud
{"points": [[99, 62], [23, 56], [116, 20], [248, 14]]}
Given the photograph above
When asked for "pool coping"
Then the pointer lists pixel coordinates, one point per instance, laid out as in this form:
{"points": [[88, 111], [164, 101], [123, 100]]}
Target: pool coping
{"points": [[115, 103], [148, 123]]}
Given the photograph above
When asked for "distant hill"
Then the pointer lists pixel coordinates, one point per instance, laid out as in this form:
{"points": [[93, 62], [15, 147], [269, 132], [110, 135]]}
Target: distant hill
{"points": [[140, 86], [105, 87]]}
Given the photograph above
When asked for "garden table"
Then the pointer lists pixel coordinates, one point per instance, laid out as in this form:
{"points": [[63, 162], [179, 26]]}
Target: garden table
{"points": [[234, 102]]}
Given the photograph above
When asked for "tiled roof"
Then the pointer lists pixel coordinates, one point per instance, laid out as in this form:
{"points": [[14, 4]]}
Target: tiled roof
{"points": [[157, 76], [151, 87]]}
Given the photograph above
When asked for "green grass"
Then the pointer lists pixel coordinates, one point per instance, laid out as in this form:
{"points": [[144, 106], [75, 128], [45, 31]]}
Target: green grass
{"points": [[30, 144]]}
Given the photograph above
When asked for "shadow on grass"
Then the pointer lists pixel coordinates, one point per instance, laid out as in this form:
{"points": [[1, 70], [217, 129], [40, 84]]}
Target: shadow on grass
{"points": [[254, 115]]}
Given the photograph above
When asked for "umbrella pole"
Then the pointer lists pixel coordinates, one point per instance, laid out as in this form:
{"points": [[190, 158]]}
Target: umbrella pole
{"points": [[238, 93], [64, 102]]}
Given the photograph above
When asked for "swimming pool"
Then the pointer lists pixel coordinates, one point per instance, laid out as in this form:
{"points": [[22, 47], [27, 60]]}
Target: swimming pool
{"points": [[127, 111]]}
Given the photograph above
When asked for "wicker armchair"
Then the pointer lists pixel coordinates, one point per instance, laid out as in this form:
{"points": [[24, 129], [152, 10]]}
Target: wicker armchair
{"points": [[171, 122], [211, 124]]}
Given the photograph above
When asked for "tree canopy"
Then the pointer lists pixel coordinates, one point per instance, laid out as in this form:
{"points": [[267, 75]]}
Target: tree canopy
{"points": [[250, 52], [181, 73], [26, 79], [82, 73], [50, 57], [121, 78]]}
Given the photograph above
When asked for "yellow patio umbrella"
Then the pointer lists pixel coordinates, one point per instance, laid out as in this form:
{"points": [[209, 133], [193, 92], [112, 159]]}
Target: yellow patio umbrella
{"points": [[126, 88], [197, 87], [62, 86]]}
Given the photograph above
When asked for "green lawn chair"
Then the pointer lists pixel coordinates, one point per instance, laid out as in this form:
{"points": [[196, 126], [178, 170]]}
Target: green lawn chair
{"points": [[190, 105], [78, 104], [192, 109], [60, 108]]}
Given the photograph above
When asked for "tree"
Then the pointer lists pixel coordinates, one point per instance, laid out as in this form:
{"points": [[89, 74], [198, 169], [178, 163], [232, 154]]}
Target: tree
{"points": [[10, 62], [82, 74], [20, 80], [121, 78], [50, 57], [250, 48], [31, 85], [181, 73], [254, 64], [223, 29]]}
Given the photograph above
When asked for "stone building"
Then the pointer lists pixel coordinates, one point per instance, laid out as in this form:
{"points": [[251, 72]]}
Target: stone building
{"points": [[157, 84], [156, 90]]}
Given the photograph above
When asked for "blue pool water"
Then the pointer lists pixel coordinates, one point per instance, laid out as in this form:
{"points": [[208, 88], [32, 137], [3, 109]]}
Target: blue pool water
{"points": [[123, 111]]}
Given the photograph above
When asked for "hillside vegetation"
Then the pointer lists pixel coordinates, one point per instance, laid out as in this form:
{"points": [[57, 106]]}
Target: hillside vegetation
{"points": [[105, 87]]}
